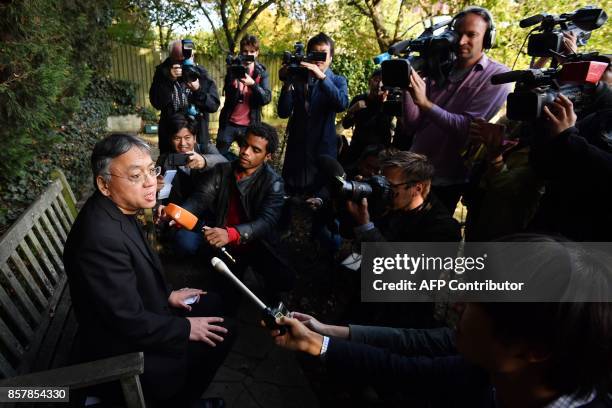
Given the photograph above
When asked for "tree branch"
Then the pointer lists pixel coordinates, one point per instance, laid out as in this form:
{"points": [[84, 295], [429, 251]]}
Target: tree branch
{"points": [[241, 31], [214, 29], [226, 29], [243, 11]]}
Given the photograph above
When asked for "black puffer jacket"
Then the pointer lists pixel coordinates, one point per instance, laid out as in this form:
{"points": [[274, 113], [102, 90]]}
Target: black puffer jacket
{"points": [[206, 100], [261, 196], [261, 95]]}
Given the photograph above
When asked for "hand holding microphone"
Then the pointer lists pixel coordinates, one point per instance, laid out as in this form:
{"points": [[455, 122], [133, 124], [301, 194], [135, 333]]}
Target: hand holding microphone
{"points": [[189, 221], [269, 315]]}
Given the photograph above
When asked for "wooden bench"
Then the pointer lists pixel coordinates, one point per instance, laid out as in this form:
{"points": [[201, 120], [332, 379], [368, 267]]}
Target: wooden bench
{"points": [[37, 321]]}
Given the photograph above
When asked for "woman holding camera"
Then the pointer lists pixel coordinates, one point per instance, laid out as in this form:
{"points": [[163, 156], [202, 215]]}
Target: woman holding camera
{"points": [[189, 159]]}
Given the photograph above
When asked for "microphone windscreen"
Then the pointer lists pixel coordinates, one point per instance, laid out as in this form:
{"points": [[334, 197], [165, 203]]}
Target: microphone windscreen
{"points": [[529, 21], [181, 216], [507, 77], [330, 166]]}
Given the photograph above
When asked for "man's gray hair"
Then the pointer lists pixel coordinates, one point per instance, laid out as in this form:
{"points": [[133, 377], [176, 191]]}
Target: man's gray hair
{"points": [[171, 45], [107, 149]]}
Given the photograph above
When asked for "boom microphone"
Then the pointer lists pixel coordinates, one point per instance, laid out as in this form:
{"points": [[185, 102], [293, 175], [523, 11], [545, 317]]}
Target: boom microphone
{"points": [[190, 222], [399, 47], [529, 21], [269, 315]]}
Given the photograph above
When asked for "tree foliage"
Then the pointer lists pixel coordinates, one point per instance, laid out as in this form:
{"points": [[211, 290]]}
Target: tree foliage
{"points": [[236, 19], [49, 114], [167, 16]]}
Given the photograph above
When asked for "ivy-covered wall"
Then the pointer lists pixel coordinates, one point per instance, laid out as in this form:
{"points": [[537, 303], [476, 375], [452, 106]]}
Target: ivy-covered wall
{"points": [[54, 94]]}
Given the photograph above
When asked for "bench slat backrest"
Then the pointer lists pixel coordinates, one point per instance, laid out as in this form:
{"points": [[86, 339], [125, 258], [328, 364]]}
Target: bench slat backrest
{"points": [[32, 277]]}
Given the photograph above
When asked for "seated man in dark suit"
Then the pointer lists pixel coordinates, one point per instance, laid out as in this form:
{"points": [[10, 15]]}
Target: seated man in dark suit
{"points": [[201, 158], [246, 198], [121, 299]]}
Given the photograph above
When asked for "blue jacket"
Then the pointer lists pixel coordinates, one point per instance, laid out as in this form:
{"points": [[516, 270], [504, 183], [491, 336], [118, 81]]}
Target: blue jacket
{"points": [[313, 132]]}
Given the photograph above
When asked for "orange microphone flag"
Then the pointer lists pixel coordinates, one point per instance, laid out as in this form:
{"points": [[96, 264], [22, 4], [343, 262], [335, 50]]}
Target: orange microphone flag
{"points": [[181, 216]]}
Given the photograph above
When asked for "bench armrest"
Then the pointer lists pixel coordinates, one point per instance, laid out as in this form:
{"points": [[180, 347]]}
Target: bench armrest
{"points": [[82, 375]]}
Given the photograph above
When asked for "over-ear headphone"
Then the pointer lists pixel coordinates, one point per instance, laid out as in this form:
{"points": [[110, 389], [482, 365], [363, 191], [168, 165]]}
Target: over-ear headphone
{"points": [[489, 37]]}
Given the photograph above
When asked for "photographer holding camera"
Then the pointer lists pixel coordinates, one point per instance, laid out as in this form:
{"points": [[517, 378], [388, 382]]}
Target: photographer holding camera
{"points": [[190, 160], [437, 116], [574, 157], [310, 102], [247, 89], [180, 86], [371, 124], [414, 214]]}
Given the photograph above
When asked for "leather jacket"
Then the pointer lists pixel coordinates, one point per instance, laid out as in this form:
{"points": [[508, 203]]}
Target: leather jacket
{"points": [[261, 196]]}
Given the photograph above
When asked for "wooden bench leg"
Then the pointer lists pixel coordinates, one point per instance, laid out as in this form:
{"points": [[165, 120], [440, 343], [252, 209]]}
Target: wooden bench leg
{"points": [[132, 391]]}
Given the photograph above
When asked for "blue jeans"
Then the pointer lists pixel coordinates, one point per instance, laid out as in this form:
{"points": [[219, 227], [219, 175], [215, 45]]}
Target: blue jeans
{"points": [[227, 135], [187, 242]]}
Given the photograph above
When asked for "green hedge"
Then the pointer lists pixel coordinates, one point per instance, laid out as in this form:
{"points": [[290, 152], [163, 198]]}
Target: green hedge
{"points": [[55, 94]]}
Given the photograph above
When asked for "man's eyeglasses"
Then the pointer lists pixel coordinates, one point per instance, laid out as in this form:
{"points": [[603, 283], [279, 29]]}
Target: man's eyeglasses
{"points": [[406, 183], [140, 177]]}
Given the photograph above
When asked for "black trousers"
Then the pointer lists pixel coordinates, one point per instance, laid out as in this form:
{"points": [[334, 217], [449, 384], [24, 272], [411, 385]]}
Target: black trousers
{"points": [[278, 276], [169, 381], [173, 381]]}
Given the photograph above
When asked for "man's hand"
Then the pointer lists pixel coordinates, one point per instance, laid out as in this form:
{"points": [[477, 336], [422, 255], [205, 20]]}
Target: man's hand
{"points": [[196, 161], [310, 322], [161, 214], [314, 68], [359, 211], [247, 80], [297, 337], [314, 203], [418, 91], [356, 107], [194, 86], [313, 324], [569, 42], [177, 297], [175, 72], [560, 116], [491, 134], [160, 182], [216, 237], [203, 330]]}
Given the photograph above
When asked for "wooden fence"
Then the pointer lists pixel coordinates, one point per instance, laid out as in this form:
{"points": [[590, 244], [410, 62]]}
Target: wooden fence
{"points": [[138, 65]]}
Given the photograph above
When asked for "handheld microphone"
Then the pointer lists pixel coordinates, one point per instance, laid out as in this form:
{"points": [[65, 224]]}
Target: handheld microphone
{"points": [[190, 222], [269, 314]]}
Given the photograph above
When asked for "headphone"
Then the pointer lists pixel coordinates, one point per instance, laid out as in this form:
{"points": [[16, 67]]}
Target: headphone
{"points": [[489, 36]]}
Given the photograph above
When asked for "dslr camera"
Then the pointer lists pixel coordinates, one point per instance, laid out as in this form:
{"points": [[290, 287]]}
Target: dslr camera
{"points": [[293, 61], [376, 188], [236, 65], [548, 41], [190, 73]]}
